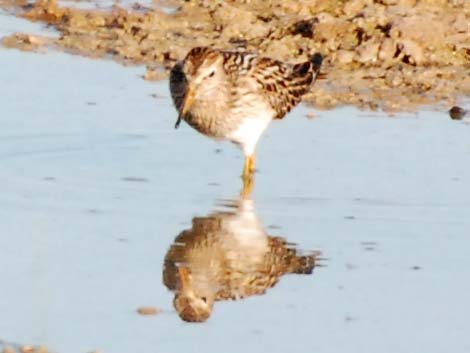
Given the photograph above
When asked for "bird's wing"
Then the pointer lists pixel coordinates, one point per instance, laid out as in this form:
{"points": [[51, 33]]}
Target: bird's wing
{"points": [[283, 84]]}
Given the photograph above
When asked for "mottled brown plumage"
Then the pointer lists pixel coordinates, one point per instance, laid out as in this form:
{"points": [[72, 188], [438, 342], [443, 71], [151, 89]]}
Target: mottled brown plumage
{"points": [[234, 95], [285, 87], [227, 256]]}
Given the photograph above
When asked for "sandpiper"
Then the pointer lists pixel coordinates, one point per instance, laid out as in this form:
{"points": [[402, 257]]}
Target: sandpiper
{"points": [[231, 95]]}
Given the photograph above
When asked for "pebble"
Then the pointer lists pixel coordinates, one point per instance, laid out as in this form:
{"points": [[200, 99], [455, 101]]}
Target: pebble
{"points": [[387, 49], [353, 7], [344, 57], [457, 113], [148, 310], [368, 52]]}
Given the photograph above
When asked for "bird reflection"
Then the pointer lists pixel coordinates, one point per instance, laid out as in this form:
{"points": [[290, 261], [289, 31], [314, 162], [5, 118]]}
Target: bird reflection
{"points": [[227, 256]]}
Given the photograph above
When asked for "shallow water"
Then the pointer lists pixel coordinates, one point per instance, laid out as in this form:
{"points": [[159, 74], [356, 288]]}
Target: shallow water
{"points": [[96, 185]]}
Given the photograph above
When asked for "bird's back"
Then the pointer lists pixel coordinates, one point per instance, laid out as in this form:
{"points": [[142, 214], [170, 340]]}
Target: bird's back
{"points": [[283, 85]]}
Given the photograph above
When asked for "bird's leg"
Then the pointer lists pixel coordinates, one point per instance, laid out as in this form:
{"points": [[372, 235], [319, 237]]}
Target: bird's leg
{"points": [[249, 169], [249, 175], [248, 186]]}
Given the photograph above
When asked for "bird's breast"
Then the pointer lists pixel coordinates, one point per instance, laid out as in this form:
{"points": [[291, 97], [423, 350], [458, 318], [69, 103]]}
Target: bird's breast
{"points": [[241, 119], [212, 117], [208, 123]]}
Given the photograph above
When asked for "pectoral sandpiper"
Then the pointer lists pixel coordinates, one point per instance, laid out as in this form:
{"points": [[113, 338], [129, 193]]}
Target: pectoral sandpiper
{"points": [[234, 95]]}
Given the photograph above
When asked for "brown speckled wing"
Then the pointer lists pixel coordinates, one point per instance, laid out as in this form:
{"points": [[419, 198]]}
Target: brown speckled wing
{"points": [[284, 85]]}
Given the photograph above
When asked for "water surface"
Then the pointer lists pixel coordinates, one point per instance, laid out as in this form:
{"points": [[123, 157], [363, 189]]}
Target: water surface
{"points": [[96, 185]]}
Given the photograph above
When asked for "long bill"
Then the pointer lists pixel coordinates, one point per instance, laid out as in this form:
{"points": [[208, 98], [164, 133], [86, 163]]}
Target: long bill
{"points": [[188, 102]]}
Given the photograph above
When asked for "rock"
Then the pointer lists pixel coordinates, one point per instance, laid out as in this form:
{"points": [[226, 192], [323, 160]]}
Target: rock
{"points": [[25, 42], [412, 50], [389, 2], [393, 78], [353, 7], [367, 52], [461, 24], [344, 57], [457, 113], [154, 74], [387, 49], [148, 310]]}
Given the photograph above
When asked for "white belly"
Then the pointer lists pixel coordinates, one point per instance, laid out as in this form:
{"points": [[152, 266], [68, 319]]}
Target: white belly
{"points": [[250, 130]]}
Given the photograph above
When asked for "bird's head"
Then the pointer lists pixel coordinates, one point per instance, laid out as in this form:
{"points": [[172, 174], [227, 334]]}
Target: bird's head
{"points": [[191, 305], [203, 71]]}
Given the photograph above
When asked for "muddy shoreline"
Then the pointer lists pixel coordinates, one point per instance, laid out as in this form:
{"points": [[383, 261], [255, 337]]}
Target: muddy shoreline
{"points": [[395, 55]]}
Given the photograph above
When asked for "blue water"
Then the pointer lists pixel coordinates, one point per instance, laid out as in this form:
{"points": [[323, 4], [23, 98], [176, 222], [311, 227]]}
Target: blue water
{"points": [[96, 184]]}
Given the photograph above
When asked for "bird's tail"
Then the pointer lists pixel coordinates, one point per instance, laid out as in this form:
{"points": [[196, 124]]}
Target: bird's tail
{"points": [[303, 264], [316, 60], [308, 70]]}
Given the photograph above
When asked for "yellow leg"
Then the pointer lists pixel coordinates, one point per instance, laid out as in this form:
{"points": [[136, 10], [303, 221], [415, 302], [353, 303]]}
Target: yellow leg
{"points": [[249, 169], [249, 175]]}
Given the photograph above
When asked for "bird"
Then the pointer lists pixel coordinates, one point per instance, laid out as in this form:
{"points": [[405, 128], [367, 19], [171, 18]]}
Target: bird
{"points": [[227, 255], [234, 95]]}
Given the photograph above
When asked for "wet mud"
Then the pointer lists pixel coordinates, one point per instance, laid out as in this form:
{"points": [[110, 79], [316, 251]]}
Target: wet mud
{"points": [[394, 55]]}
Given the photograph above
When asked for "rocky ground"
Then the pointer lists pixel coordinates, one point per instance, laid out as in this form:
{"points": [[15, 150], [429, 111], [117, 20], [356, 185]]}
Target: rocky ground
{"points": [[16, 348], [395, 55]]}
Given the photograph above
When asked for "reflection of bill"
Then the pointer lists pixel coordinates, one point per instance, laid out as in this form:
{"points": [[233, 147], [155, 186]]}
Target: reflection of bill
{"points": [[227, 255]]}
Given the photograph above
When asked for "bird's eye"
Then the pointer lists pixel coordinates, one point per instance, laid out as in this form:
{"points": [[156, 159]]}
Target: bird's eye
{"points": [[212, 74], [204, 299]]}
